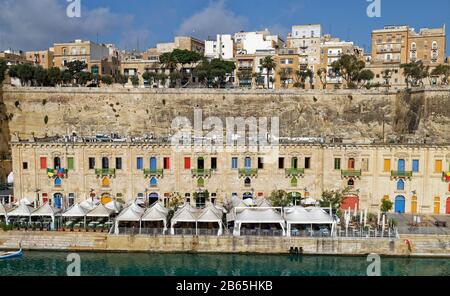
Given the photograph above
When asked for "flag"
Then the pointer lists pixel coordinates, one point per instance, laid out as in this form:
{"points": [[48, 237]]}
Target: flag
{"points": [[61, 173]]}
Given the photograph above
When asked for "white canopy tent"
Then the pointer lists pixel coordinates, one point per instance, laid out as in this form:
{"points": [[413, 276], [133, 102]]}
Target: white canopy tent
{"points": [[76, 211], [186, 214], [47, 211], [22, 210], [257, 215], [133, 213], [211, 214], [100, 211], [10, 178], [88, 205], [115, 206], [307, 216], [3, 212], [155, 214], [310, 201]]}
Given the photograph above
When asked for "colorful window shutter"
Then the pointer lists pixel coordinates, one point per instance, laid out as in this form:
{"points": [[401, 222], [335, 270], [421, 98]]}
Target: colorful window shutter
{"points": [[70, 163], [387, 165], [415, 165], [438, 166], [187, 163], [140, 163], [167, 163], [43, 163]]}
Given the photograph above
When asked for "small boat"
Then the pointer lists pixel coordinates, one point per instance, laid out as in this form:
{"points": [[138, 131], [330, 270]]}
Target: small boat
{"points": [[13, 254]]}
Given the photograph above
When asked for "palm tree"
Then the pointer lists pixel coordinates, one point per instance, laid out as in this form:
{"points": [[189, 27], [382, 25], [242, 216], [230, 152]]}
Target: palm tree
{"points": [[169, 61], [269, 64]]}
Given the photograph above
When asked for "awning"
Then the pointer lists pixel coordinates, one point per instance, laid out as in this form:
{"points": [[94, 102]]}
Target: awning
{"points": [[46, 211], [258, 215], [131, 214], [21, 211], [100, 212], [115, 206], [185, 214], [156, 213], [76, 211], [300, 215]]}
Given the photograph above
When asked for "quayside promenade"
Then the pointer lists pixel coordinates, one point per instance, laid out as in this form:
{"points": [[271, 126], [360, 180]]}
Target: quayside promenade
{"points": [[408, 245]]}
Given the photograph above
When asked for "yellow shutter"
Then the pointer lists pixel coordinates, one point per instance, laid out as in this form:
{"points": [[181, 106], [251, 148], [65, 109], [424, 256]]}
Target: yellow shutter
{"points": [[387, 165], [438, 166], [437, 205]]}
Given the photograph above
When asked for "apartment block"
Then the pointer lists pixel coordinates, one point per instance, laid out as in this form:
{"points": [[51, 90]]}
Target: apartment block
{"points": [[221, 48], [43, 58]]}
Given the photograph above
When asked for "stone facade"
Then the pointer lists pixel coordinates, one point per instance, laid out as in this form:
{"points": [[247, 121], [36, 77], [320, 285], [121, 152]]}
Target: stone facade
{"points": [[411, 176]]}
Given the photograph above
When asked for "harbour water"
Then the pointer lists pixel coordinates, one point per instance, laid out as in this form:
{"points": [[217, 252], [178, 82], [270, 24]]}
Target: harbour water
{"points": [[135, 264]]}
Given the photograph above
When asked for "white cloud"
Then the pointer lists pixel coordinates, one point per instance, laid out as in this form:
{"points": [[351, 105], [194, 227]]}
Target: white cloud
{"points": [[31, 24], [212, 20]]}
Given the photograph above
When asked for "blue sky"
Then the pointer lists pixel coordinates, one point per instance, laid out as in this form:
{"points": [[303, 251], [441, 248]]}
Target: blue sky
{"points": [[151, 21]]}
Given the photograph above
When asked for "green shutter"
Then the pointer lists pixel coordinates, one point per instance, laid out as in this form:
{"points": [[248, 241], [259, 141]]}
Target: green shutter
{"points": [[70, 165]]}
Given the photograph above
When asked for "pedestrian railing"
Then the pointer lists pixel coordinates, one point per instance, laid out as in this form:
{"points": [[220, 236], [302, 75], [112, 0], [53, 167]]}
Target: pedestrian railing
{"points": [[424, 230], [261, 232]]}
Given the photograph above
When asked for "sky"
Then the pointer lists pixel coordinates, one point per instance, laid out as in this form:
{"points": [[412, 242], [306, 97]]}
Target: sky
{"points": [[37, 24]]}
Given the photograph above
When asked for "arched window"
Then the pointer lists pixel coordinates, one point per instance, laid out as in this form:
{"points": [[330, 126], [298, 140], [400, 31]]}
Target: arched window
{"points": [[153, 182], [248, 182], [413, 46], [351, 183], [434, 45], [153, 164], [153, 198], [248, 163], [74, 51], [201, 163], [105, 163], [105, 182], [64, 51], [58, 181], [294, 182], [57, 200], [294, 163], [401, 185], [57, 163], [351, 164]]}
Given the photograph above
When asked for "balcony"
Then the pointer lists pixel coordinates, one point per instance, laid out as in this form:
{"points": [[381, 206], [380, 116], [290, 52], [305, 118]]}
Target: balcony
{"points": [[401, 174], [248, 172], [5, 157], [201, 173], [446, 176], [351, 173], [105, 172], [292, 172], [154, 173]]}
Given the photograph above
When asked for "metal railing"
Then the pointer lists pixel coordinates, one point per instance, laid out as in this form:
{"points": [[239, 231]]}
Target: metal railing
{"points": [[351, 173], [262, 232], [248, 172], [4, 186], [294, 172], [424, 230], [5, 157], [154, 172], [401, 174], [105, 172], [201, 173]]}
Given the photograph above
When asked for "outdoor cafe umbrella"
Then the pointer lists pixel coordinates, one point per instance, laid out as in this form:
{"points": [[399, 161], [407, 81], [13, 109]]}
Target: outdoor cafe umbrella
{"points": [[22, 210]]}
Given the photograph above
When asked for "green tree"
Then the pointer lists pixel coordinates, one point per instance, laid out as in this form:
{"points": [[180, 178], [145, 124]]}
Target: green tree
{"points": [[387, 75], [348, 67], [75, 68], [170, 61], [3, 68], [214, 72], [442, 70], [121, 79], [24, 72], [414, 73], [280, 198], [322, 73], [149, 76], [334, 197], [40, 76], [303, 75], [268, 64], [107, 79], [85, 77], [386, 205], [135, 80], [365, 76], [66, 77], [54, 76]]}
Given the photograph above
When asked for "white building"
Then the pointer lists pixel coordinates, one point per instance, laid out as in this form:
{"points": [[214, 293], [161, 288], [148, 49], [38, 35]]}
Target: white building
{"points": [[252, 42], [222, 48]]}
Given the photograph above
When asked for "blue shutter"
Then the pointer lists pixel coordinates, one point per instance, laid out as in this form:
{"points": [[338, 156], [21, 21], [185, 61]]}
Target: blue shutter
{"points": [[234, 163], [140, 163], [415, 165]]}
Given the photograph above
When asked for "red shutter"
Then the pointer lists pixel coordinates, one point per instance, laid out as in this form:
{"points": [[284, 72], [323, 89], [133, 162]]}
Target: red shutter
{"points": [[43, 163], [187, 163], [167, 163]]}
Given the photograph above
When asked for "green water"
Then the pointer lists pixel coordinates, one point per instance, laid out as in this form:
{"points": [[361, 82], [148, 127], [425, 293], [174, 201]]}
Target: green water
{"points": [[124, 264]]}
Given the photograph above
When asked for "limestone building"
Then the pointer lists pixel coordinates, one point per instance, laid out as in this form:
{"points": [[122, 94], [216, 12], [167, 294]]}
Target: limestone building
{"points": [[415, 178]]}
